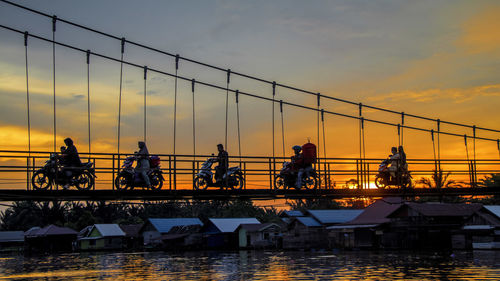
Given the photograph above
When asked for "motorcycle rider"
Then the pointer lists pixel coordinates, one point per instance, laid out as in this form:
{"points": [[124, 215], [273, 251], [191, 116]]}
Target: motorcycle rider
{"points": [[142, 166], [70, 160], [223, 161], [395, 162]]}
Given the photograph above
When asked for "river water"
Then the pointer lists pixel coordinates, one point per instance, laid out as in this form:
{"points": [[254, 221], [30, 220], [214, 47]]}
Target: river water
{"points": [[254, 265]]}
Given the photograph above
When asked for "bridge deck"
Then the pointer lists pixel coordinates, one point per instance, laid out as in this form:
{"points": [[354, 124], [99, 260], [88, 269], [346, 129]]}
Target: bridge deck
{"points": [[255, 194]]}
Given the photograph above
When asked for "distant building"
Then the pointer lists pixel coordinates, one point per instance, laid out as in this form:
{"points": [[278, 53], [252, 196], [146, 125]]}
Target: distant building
{"points": [[333, 217], [221, 232], [286, 216], [11, 241], [102, 237], [262, 235], [367, 229], [154, 232], [133, 238], [50, 239], [304, 233], [481, 230], [429, 225]]}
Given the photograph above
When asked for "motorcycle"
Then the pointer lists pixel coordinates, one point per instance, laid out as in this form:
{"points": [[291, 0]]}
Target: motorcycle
{"points": [[287, 178], [83, 178], [129, 178], [233, 178], [383, 179]]}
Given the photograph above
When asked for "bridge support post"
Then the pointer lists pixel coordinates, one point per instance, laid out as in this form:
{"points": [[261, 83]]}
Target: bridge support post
{"points": [[271, 185]]}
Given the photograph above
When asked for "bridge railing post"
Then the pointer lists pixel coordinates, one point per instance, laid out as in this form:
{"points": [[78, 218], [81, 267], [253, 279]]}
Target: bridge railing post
{"points": [[113, 171], [271, 186], [28, 173], [170, 172]]}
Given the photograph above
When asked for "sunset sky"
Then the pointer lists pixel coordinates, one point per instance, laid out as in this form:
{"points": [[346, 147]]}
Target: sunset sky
{"points": [[439, 59]]}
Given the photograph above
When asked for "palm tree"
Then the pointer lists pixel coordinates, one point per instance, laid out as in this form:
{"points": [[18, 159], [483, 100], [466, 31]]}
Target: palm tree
{"points": [[439, 179]]}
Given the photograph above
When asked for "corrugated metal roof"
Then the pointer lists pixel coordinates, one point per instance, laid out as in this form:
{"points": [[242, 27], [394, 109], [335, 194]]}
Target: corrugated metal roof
{"points": [[293, 213], [230, 224], [308, 221], [495, 209], [108, 230], [377, 212], [352, 226], [334, 216], [11, 236], [445, 209], [257, 227], [51, 230], [477, 227], [163, 225], [131, 230]]}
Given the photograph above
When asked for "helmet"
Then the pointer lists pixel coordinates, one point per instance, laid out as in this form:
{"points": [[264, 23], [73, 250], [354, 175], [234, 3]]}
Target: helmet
{"points": [[297, 147]]}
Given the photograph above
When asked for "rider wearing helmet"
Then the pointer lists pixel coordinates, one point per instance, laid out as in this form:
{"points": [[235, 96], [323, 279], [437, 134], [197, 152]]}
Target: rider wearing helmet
{"points": [[70, 160], [223, 161]]}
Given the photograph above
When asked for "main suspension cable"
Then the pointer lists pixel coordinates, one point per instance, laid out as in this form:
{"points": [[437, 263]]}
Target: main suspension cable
{"points": [[241, 92]]}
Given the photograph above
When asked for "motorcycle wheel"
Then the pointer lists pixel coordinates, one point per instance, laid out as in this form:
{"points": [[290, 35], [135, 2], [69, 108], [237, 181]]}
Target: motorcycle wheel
{"points": [[156, 181], [200, 183], [84, 181], [238, 180], [379, 182], [40, 180], [279, 182], [310, 182], [122, 182]]}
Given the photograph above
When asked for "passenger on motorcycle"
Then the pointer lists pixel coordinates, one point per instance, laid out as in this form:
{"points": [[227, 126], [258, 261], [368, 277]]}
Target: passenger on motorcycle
{"points": [[402, 156], [299, 165], [142, 166], [395, 162], [70, 160], [223, 161]]}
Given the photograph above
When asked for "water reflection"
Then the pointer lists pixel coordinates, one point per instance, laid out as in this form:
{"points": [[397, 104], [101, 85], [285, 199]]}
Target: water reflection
{"points": [[253, 265]]}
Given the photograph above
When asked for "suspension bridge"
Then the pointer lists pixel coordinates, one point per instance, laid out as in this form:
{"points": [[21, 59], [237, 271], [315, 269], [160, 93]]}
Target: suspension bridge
{"points": [[337, 177]]}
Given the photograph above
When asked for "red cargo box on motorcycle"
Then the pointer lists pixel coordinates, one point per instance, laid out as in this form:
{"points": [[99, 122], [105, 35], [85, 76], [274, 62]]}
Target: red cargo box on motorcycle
{"points": [[155, 161], [309, 153]]}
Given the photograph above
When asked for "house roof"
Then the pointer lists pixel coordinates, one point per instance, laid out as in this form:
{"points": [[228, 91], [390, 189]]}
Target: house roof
{"points": [[11, 236], [377, 212], [230, 224], [253, 227], [334, 216], [292, 214], [308, 221], [131, 230], [494, 209], [444, 209], [163, 225], [50, 230], [352, 226], [109, 230]]}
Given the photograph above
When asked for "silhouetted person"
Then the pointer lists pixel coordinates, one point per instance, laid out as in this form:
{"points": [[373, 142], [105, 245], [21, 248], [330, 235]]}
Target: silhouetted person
{"points": [[70, 160], [402, 156], [143, 162], [395, 160], [223, 161]]}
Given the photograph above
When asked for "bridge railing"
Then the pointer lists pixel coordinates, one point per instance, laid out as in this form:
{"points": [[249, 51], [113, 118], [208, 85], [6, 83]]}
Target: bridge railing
{"points": [[17, 167]]}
